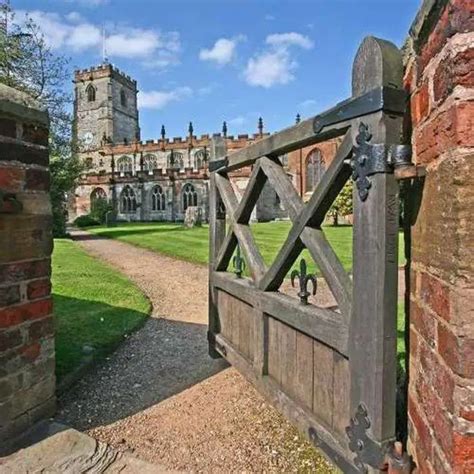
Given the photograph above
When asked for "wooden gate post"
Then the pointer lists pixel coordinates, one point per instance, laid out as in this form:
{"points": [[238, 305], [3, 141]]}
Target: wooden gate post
{"points": [[217, 229], [372, 339]]}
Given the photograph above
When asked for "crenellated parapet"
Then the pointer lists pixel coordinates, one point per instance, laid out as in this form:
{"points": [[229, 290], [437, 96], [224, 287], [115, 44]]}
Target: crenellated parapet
{"points": [[103, 71]]}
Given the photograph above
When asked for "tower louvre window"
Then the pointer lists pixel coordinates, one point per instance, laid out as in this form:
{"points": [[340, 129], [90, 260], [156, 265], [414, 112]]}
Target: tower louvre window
{"points": [[123, 98], [90, 91]]}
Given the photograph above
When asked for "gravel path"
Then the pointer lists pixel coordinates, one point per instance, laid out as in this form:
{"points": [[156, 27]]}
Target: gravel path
{"points": [[161, 397]]}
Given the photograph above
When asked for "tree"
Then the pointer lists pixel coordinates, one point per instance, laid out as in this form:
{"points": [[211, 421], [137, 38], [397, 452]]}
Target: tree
{"points": [[342, 206], [27, 63]]}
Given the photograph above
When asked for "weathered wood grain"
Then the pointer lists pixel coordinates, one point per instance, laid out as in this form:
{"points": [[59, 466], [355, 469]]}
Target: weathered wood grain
{"points": [[323, 379], [303, 385]]}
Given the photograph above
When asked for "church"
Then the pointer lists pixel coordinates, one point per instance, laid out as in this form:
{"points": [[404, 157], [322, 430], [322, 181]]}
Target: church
{"points": [[158, 179]]}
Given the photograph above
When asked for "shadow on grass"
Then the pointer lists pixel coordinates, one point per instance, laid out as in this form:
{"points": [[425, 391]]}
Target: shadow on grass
{"points": [[160, 360], [118, 232]]}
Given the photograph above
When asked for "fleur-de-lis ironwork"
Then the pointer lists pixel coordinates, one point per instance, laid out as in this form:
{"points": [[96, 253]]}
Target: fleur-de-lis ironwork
{"points": [[304, 279], [238, 262]]}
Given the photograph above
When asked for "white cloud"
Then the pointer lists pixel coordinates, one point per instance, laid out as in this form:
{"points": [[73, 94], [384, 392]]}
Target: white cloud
{"points": [[237, 121], [269, 69], [276, 64], [308, 103], [156, 49], [222, 52], [284, 40], [160, 99], [89, 3]]}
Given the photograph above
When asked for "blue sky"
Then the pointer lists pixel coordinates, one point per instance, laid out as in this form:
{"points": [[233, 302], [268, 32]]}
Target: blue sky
{"points": [[214, 60]]}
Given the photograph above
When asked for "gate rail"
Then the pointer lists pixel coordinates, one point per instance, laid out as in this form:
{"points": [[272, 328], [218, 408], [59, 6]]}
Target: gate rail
{"points": [[279, 343]]}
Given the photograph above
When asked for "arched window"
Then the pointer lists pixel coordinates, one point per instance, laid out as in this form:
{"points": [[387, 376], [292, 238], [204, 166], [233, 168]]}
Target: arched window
{"points": [[176, 160], [128, 201], [123, 98], [200, 158], [149, 163], [97, 195], [190, 197], [158, 199], [90, 91], [124, 164], [314, 169]]}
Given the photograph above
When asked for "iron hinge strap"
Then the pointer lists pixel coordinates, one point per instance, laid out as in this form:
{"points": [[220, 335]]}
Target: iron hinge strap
{"points": [[369, 159], [387, 99], [368, 452]]}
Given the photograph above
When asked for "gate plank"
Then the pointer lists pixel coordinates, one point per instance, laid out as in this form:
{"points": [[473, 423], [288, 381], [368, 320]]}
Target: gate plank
{"points": [[288, 358], [323, 392], [342, 399], [304, 370], [274, 368]]}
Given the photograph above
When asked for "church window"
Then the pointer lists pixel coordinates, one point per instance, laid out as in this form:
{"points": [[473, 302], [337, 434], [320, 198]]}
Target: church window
{"points": [[124, 164], [200, 158], [158, 200], [149, 163], [189, 196], [128, 201], [176, 160], [90, 91], [123, 98], [97, 195], [314, 169]]}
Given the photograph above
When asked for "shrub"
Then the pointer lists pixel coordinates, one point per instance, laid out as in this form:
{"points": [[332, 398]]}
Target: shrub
{"points": [[86, 221], [99, 209]]}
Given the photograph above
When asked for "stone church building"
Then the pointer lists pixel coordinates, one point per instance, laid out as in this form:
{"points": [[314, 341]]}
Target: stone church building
{"points": [[157, 180]]}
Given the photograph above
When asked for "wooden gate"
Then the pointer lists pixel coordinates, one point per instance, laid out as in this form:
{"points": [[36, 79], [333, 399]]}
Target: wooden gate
{"points": [[332, 372]]}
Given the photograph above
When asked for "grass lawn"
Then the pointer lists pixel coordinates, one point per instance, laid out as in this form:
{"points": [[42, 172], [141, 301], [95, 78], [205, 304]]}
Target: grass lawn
{"points": [[192, 244], [94, 306]]}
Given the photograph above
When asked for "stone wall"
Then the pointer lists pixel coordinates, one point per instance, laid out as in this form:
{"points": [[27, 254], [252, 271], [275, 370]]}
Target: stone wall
{"points": [[440, 78], [27, 381]]}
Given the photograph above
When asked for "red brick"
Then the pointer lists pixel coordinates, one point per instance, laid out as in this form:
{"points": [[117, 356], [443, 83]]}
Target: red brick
{"points": [[8, 127], [9, 295], [458, 17], [31, 351], [435, 294], [11, 179], [42, 328], [463, 451], [467, 413], [15, 315], [420, 103], [457, 351], [413, 343], [19, 271], [39, 288], [453, 72], [26, 155], [423, 434], [35, 134], [37, 180], [10, 339], [450, 129], [423, 322]]}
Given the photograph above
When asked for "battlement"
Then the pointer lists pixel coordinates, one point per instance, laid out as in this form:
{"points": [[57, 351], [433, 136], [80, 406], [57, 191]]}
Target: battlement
{"points": [[101, 71]]}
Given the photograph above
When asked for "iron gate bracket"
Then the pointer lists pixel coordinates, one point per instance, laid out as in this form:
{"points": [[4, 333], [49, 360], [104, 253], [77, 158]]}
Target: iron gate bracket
{"points": [[369, 159], [368, 451]]}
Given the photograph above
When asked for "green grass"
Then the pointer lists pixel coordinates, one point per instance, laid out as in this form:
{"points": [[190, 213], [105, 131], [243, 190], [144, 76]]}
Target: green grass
{"points": [[93, 305], [192, 244]]}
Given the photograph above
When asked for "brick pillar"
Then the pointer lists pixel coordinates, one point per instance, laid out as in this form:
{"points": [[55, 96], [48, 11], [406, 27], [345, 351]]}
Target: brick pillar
{"points": [[27, 380], [440, 78]]}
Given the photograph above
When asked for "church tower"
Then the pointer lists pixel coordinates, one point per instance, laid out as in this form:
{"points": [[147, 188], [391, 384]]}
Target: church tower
{"points": [[105, 108]]}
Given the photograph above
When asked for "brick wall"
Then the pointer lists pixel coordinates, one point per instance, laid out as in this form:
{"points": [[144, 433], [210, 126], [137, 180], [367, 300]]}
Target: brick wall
{"points": [[440, 78], [27, 382]]}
